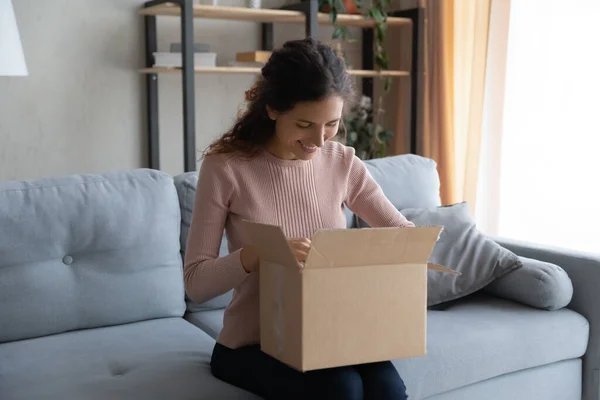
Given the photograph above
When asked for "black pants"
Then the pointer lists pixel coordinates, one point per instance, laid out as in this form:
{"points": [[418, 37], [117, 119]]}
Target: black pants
{"points": [[251, 369]]}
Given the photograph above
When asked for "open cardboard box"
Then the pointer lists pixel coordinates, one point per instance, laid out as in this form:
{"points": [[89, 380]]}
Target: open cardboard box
{"points": [[361, 296]]}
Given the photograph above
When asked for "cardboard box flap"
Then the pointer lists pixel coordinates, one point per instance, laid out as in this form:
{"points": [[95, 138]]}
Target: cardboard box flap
{"points": [[372, 246], [439, 268], [270, 243]]}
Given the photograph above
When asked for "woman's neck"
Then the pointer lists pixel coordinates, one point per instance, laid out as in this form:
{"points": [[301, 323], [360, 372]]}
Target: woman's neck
{"points": [[279, 151]]}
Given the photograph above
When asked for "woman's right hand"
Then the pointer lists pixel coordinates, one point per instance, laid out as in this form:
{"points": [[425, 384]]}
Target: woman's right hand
{"points": [[299, 246], [250, 260]]}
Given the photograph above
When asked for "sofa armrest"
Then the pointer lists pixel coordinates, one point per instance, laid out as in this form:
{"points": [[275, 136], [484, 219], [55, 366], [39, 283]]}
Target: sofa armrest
{"points": [[584, 271]]}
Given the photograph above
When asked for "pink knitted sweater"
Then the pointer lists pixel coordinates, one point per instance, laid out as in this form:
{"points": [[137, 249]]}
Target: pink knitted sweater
{"points": [[300, 196]]}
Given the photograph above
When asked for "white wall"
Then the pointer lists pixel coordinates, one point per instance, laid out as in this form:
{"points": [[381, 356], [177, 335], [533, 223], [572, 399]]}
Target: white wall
{"points": [[82, 107]]}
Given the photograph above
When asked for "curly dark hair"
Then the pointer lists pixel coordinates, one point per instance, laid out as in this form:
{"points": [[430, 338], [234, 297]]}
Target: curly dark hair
{"points": [[303, 70]]}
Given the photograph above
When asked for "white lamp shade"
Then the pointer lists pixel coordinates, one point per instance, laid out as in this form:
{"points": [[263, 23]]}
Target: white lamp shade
{"points": [[12, 60]]}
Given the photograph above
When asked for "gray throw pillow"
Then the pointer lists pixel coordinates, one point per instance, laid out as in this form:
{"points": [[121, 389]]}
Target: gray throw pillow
{"points": [[463, 248], [538, 284]]}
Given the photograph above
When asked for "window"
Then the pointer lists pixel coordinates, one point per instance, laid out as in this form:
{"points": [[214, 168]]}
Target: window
{"points": [[550, 153]]}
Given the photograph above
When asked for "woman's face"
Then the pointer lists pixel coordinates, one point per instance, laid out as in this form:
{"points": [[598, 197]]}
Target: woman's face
{"points": [[300, 131]]}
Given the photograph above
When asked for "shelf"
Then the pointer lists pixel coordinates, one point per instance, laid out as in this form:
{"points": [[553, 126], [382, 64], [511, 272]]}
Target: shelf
{"points": [[372, 74], [263, 15], [202, 70], [256, 71]]}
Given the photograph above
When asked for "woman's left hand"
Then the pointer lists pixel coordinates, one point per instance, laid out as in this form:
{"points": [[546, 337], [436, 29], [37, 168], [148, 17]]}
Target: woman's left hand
{"points": [[300, 248]]}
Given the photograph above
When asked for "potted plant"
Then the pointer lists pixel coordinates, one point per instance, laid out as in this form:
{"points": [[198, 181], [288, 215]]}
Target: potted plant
{"points": [[364, 131], [349, 6], [369, 139], [375, 10]]}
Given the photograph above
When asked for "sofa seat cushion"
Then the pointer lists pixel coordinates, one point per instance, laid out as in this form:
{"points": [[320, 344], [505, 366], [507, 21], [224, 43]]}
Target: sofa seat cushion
{"points": [[210, 321], [482, 337], [476, 338], [557, 381], [158, 359]]}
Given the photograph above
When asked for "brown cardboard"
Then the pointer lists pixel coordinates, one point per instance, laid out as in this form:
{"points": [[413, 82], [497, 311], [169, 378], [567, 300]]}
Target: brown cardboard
{"points": [[360, 297]]}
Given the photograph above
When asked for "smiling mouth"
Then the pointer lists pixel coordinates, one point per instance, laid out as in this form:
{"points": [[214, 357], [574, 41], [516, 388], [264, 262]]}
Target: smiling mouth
{"points": [[308, 149]]}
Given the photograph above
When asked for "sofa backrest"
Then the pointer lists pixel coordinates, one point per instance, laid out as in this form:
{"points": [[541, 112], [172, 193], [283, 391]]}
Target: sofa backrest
{"points": [[186, 189], [408, 181], [86, 251]]}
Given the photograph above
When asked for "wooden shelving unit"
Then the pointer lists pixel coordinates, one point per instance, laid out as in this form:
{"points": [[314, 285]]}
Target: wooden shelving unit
{"points": [[263, 15], [305, 13], [255, 71]]}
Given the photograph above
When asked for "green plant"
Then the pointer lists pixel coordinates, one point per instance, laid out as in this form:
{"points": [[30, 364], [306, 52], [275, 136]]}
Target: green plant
{"points": [[365, 132], [375, 10], [368, 138]]}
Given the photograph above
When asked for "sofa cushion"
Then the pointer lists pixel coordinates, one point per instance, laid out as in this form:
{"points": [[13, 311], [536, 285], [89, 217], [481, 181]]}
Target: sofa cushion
{"points": [[85, 251], [477, 338], [210, 321], [463, 248], [407, 180], [557, 381], [186, 189], [161, 359], [537, 284], [482, 337]]}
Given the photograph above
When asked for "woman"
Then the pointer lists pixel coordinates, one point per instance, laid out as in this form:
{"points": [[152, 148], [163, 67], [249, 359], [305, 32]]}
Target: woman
{"points": [[278, 165]]}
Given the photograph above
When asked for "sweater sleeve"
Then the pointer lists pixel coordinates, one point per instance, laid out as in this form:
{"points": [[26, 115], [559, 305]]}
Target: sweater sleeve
{"points": [[365, 198], [205, 274]]}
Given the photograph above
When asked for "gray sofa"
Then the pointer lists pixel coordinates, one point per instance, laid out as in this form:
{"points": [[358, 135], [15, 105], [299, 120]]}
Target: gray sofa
{"points": [[92, 303]]}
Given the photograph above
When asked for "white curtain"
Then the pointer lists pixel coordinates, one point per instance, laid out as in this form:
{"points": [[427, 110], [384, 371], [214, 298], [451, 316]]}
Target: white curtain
{"points": [[541, 178]]}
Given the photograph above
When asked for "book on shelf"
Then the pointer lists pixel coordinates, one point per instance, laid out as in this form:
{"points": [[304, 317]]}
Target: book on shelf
{"points": [[253, 56], [175, 60]]}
